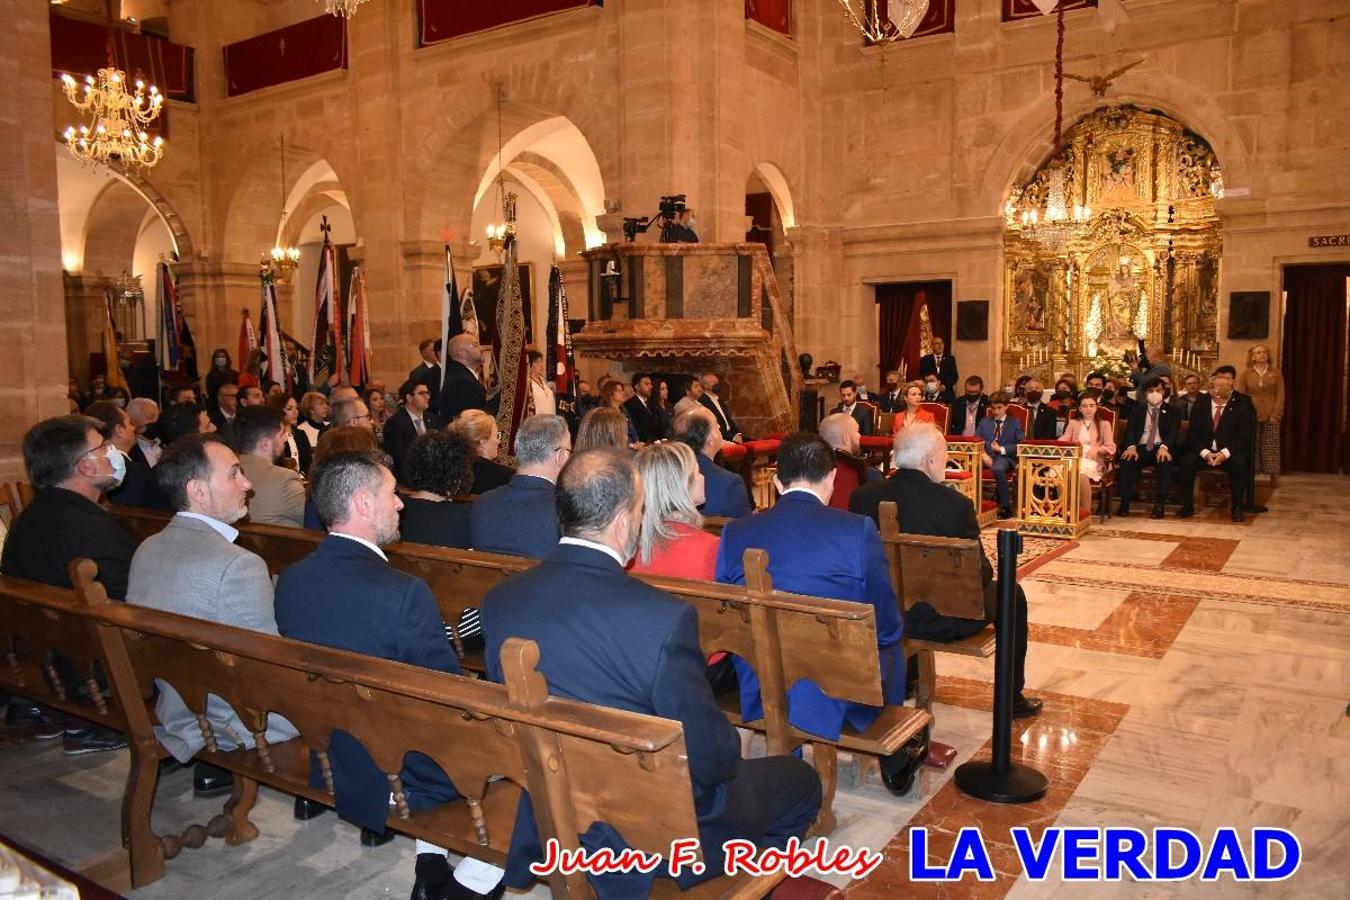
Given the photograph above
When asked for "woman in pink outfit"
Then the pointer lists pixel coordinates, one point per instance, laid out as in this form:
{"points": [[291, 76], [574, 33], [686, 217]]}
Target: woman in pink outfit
{"points": [[1095, 436]]}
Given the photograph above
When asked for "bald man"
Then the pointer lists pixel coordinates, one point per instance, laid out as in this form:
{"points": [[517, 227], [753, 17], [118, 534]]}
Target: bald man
{"points": [[463, 388], [841, 432]]}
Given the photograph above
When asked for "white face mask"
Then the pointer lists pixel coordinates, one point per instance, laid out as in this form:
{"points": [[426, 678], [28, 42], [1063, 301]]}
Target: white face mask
{"points": [[1155, 398]]}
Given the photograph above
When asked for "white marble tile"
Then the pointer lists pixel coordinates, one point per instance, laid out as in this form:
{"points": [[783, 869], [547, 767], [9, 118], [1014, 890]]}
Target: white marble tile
{"points": [[1070, 605], [1118, 549]]}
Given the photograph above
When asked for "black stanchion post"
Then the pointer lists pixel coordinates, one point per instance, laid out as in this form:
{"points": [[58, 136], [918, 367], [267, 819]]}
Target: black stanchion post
{"points": [[1001, 780]]}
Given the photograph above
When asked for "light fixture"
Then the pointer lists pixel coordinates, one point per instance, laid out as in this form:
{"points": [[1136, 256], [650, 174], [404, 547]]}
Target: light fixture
{"points": [[497, 234], [285, 258], [127, 289], [343, 8], [884, 21]]}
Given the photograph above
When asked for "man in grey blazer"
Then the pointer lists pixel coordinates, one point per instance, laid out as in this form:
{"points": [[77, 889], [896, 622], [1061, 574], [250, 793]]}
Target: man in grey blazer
{"points": [[193, 568], [278, 492]]}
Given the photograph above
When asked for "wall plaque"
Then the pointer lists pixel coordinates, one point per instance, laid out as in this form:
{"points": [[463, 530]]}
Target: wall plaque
{"points": [[1329, 240]]}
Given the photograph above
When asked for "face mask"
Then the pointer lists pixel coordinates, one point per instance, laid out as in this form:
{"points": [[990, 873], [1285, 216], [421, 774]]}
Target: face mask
{"points": [[220, 362], [1034, 396], [1155, 398], [120, 402], [151, 432], [892, 386], [930, 389], [972, 397], [692, 222], [1108, 394], [717, 388], [119, 465]]}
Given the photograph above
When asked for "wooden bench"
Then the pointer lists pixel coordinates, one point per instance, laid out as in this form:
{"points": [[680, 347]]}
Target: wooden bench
{"points": [[784, 637], [580, 763], [945, 573]]}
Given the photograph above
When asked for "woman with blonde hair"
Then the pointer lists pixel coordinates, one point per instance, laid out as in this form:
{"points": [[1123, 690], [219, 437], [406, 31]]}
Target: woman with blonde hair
{"points": [[1265, 385], [913, 413], [480, 431], [672, 541], [603, 426], [313, 416]]}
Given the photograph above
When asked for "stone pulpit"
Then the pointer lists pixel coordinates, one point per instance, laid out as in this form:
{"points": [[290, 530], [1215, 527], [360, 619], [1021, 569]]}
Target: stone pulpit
{"points": [[694, 308]]}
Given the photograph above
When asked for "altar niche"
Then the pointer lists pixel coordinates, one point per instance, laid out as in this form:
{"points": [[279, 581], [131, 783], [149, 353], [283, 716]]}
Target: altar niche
{"points": [[1145, 264]]}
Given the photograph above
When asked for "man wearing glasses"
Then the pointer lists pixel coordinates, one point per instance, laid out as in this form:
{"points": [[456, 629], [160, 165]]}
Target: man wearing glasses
{"points": [[405, 426], [519, 517], [70, 465]]}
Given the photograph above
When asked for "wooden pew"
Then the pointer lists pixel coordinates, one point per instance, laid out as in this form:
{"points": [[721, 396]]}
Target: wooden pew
{"points": [[784, 637], [946, 573], [581, 763]]}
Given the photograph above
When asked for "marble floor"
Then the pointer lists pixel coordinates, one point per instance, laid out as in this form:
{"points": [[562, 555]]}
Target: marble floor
{"points": [[1196, 674]]}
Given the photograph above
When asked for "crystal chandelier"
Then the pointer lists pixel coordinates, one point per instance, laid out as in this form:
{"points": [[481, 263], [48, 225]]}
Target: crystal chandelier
{"points": [[344, 8], [884, 21], [118, 119], [497, 234], [284, 257], [127, 290]]}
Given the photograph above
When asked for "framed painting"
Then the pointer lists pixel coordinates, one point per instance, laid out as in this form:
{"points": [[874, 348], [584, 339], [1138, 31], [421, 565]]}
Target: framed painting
{"points": [[1249, 315], [487, 284]]}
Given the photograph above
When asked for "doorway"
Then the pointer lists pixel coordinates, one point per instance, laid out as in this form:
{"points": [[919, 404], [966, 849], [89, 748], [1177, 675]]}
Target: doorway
{"points": [[908, 314], [1313, 363]]}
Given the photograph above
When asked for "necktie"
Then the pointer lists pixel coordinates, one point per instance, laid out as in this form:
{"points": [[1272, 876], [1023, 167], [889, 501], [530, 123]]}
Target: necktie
{"points": [[971, 409], [419, 426], [998, 429], [1218, 414], [1151, 432]]}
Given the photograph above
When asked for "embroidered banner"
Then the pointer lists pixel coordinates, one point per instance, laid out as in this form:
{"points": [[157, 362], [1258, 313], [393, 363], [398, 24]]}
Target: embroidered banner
{"points": [[1025, 9], [297, 51], [775, 14], [441, 20], [80, 48]]}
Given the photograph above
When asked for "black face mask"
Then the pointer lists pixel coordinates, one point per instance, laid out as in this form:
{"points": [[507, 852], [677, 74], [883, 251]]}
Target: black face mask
{"points": [[1034, 396], [1108, 394], [717, 389], [972, 397], [152, 431]]}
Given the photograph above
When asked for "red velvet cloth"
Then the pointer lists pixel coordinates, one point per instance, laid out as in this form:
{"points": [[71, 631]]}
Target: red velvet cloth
{"points": [[775, 14], [898, 319], [1025, 9], [441, 20], [732, 452], [876, 441], [763, 445], [1312, 438], [80, 48], [297, 51]]}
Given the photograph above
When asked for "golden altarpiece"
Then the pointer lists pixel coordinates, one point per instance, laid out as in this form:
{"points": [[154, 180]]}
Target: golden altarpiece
{"points": [[1136, 256]]}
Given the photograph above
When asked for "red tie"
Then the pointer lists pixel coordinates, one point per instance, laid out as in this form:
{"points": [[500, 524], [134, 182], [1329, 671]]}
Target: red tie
{"points": [[998, 430], [1218, 414]]}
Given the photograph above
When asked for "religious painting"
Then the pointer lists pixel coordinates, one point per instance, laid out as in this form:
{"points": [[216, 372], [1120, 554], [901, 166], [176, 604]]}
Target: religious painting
{"points": [[1249, 315], [1119, 177], [487, 285], [972, 320], [1031, 297]]}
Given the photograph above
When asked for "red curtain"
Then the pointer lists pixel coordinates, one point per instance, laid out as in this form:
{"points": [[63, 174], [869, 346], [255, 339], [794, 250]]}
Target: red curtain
{"points": [[287, 54], [898, 321], [775, 14], [1316, 407], [80, 48], [440, 20]]}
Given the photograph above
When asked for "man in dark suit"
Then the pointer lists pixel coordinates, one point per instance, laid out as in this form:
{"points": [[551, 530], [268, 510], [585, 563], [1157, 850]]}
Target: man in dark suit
{"points": [[641, 412], [1151, 437], [711, 400], [409, 423], [824, 552], [428, 371], [892, 397], [1001, 434], [1220, 436], [969, 409], [850, 404], [346, 595], [519, 517], [926, 506], [138, 487], [463, 388], [941, 364], [1041, 419], [605, 637], [724, 491], [224, 409]]}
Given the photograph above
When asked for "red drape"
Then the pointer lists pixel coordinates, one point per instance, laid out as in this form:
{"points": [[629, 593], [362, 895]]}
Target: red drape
{"points": [[440, 20], [287, 54], [898, 321], [1316, 408], [80, 48], [775, 14]]}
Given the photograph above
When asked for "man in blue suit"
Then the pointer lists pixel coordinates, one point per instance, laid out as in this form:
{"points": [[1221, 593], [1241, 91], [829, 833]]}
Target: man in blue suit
{"points": [[825, 552], [724, 491], [605, 637], [345, 594], [1001, 434], [519, 517]]}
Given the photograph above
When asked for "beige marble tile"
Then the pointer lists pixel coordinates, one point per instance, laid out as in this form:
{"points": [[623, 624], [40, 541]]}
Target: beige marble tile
{"points": [[1117, 549], [1070, 605]]}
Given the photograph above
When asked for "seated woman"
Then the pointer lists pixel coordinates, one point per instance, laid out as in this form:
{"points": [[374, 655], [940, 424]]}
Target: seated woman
{"points": [[912, 412], [1096, 438], [672, 541], [603, 426], [379, 411], [438, 469], [479, 430], [313, 416], [297, 441]]}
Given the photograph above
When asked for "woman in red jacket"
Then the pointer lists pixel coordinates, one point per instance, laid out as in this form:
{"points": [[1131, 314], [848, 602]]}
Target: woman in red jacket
{"points": [[672, 541]]}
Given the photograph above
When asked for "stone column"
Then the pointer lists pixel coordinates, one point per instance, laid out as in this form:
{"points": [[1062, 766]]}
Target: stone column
{"points": [[32, 311], [85, 320]]}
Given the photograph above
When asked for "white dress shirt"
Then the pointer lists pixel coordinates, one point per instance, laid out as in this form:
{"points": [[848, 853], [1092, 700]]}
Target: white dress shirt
{"points": [[228, 532], [362, 541], [603, 548]]}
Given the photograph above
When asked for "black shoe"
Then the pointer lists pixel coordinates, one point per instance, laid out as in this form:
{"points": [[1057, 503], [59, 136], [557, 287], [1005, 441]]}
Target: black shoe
{"points": [[1256, 508], [374, 838], [210, 781], [1025, 707], [433, 874], [1157, 513], [1123, 509], [308, 809], [899, 769], [1185, 512], [22, 712], [49, 724], [1237, 514], [1005, 512], [93, 740]]}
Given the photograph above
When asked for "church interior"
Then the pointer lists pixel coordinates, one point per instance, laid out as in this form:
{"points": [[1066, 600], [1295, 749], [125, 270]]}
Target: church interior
{"points": [[809, 199]]}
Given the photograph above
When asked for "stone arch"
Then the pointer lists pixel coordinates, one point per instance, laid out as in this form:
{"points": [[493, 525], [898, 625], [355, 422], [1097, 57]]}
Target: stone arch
{"points": [[112, 228], [1026, 142], [254, 220], [776, 182]]}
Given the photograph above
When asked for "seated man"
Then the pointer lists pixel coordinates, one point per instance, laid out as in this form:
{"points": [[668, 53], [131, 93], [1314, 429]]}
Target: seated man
{"points": [[346, 595], [1151, 436], [840, 431], [1043, 422], [1220, 437], [892, 399], [969, 410], [278, 492], [823, 552], [193, 568], [850, 404], [1001, 434], [138, 487], [925, 506], [725, 491], [519, 517], [605, 637], [70, 465], [709, 397]]}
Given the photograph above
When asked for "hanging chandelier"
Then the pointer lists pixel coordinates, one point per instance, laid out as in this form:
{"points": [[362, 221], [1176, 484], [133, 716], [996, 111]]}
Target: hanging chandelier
{"points": [[343, 8], [884, 21], [498, 233], [127, 290], [285, 258]]}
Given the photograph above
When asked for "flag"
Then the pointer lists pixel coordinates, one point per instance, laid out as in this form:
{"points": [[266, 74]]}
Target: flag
{"points": [[187, 347], [560, 363], [168, 349], [512, 370], [113, 378], [358, 330], [325, 358], [248, 342], [273, 365], [452, 312]]}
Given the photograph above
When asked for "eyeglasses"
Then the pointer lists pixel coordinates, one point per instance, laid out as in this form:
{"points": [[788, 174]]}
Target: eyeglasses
{"points": [[102, 448], [562, 449]]}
